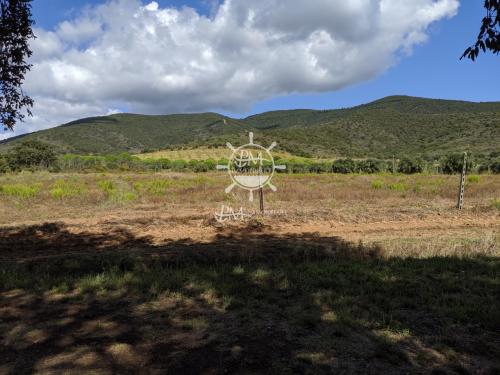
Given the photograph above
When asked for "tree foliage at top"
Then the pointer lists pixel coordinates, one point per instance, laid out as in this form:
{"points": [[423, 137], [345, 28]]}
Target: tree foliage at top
{"points": [[489, 34], [15, 33]]}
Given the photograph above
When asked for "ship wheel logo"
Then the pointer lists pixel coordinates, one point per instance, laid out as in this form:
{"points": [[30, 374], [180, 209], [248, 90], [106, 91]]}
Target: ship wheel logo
{"points": [[251, 167]]}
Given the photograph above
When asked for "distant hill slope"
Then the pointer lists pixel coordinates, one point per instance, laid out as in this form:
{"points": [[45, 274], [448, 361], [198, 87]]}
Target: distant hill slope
{"points": [[396, 125]]}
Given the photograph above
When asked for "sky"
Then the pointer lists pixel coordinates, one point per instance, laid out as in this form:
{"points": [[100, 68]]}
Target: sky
{"points": [[236, 57]]}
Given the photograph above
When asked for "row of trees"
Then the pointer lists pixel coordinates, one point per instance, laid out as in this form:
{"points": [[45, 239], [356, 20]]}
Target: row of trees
{"points": [[33, 155]]}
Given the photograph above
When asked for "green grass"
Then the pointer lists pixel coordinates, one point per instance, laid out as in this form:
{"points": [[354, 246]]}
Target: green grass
{"points": [[473, 179], [24, 191], [376, 310], [117, 191], [377, 184], [66, 189], [157, 186], [398, 186]]}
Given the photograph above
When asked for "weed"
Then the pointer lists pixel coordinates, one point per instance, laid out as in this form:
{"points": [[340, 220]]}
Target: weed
{"points": [[20, 190], [157, 187], [495, 203], [64, 189], [115, 194], [107, 186], [398, 186], [377, 184], [473, 179]]}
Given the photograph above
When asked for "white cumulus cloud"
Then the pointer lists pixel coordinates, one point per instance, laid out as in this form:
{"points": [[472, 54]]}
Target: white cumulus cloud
{"points": [[144, 58]]}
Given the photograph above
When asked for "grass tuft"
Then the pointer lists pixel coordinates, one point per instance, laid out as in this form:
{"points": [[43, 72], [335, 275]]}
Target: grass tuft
{"points": [[20, 190], [66, 189], [398, 186], [473, 179], [495, 203]]}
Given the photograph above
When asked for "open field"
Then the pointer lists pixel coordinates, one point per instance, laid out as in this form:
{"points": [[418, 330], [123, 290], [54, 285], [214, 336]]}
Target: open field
{"points": [[129, 272], [204, 153]]}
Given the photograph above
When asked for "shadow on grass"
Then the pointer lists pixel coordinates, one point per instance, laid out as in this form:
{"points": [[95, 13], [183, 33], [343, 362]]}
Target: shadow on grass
{"points": [[246, 302]]}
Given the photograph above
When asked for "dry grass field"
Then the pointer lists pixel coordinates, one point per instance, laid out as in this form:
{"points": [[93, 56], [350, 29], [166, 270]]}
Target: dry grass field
{"points": [[131, 273]]}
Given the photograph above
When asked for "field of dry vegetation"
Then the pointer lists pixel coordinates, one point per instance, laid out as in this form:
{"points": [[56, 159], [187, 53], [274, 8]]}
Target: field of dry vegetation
{"points": [[129, 272]]}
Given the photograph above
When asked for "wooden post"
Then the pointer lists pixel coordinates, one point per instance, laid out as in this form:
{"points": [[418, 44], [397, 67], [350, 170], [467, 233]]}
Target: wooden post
{"points": [[261, 198], [460, 200], [261, 191]]}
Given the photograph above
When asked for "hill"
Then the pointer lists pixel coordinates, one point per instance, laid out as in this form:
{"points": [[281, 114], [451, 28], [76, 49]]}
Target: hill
{"points": [[396, 125]]}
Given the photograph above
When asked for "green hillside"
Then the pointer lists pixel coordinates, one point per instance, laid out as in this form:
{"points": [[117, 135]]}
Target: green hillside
{"points": [[396, 125], [131, 132]]}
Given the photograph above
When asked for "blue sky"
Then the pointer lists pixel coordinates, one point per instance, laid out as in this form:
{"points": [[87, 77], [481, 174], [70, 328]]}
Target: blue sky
{"points": [[433, 69], [238, 58]]}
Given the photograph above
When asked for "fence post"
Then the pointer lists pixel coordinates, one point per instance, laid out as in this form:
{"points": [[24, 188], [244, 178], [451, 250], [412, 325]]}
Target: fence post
{"points": [[261, 198], [461, 188]]}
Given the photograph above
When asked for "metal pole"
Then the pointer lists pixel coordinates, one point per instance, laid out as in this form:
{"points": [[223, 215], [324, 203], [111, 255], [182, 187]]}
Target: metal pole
{"points": [[460, 201]]}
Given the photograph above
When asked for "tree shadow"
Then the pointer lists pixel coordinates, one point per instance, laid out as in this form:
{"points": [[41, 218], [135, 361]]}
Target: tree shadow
{"points": [[246, 302]]}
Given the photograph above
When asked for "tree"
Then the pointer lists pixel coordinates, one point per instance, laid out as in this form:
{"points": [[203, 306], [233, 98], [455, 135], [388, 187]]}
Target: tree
{"points": [[15, 33], [453, 163], [31, 154], [489, 34]]}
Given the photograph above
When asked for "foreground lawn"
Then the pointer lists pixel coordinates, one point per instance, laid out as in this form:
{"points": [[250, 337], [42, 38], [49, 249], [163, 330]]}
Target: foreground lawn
{"points": [[249, 303]]}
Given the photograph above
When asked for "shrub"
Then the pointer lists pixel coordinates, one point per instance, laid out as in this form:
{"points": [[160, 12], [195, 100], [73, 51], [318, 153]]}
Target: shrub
{"points": [[410, 166], [319, 167], [4, 164], [296, 167], [495, 166], [198, 166], [178, 165], [370, 166], [211, 164], [344, 166]]}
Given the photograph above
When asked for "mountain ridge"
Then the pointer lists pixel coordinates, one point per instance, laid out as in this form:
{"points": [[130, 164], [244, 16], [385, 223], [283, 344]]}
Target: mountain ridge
{"points": [[394, 125]]}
